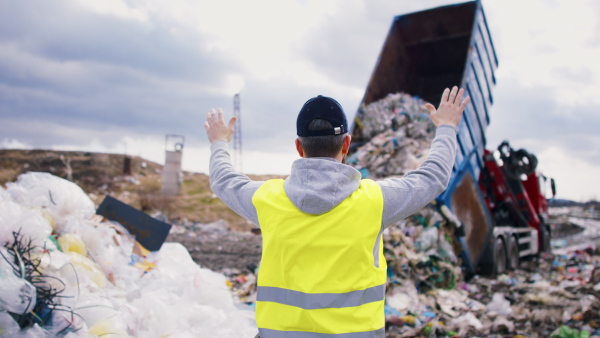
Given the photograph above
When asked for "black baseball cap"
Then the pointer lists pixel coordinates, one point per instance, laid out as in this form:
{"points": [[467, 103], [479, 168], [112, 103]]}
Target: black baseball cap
{"points": [[321, 107]]}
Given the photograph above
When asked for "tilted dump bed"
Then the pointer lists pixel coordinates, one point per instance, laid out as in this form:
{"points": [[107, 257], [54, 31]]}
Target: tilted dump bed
{"points": [[424, 53]]}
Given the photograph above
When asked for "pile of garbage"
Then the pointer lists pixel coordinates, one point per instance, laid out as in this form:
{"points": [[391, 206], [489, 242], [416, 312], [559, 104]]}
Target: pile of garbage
{"points": [[400, 133], [427, 296], [67, 272]]}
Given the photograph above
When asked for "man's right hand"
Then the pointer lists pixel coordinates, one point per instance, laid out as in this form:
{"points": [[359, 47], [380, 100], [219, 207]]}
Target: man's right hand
{"points": [[451, 108]]}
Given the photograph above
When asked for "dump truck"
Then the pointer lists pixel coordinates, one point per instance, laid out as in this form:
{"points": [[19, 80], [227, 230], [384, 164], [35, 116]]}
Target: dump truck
{"points": [[497, 196]]}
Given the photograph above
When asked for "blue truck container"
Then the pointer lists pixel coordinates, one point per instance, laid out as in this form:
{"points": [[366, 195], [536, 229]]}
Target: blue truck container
{"points": [[424, 53]]}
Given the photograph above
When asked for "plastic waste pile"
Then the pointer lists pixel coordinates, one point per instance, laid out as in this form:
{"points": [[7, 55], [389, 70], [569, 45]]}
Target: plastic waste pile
{"points": [[400, 133], [66, 272]]}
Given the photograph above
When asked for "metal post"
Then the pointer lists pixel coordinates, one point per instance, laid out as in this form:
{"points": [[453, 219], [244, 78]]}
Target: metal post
{"points": [[237, 135]]}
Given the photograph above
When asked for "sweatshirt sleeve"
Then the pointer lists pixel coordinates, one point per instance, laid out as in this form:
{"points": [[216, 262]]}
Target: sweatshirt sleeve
{"points": [[235, 190], [404, 196]]}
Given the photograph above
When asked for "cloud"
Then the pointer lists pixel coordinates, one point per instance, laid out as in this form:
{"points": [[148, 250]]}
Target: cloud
{"points": [[82, 72], [72, 33], [13, 144], [575, 178], [535, 116], [580, 77], [97, 75]]}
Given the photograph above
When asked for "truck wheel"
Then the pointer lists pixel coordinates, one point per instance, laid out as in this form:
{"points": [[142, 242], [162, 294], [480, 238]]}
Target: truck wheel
{"points": [[513, 254], [500, 257], [545, 234]]}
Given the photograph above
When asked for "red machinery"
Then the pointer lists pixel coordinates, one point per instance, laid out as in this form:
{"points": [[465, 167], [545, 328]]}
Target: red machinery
{"points": [[515, 196]]}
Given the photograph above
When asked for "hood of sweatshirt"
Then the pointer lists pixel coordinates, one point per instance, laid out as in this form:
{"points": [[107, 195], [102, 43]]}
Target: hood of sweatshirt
{"points": [[317, 185]]}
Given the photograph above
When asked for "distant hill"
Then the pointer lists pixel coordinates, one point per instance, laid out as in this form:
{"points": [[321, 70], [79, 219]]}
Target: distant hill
{"points": [[559, 202], [130, 179]]}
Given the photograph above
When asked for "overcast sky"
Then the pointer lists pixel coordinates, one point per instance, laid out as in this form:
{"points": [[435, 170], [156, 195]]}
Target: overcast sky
{"points": [[118, 75]]}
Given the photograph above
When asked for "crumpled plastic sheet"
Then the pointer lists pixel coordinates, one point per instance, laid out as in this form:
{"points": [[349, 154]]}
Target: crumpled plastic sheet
{"points": [[104, 293], [60, 200], [17, 217]]}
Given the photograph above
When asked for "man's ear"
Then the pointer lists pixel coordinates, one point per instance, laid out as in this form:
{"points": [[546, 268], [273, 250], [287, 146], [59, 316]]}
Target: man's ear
{"points": [[346, 144], [299, 148]]}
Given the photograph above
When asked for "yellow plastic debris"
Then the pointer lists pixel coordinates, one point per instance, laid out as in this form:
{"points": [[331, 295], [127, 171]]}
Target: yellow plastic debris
{"points": [[90, 268], [408, 319], [72, 243], [48, 218], [144, 265], [106, 328]]}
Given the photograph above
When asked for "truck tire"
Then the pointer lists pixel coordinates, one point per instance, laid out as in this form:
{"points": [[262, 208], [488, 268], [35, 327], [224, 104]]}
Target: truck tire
{"points": [[499, 257], [545, 236], [513, 254]]}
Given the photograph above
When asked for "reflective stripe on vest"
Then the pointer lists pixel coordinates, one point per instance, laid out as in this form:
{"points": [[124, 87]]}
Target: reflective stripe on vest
{"points": [[318, 273], [380, 333]]}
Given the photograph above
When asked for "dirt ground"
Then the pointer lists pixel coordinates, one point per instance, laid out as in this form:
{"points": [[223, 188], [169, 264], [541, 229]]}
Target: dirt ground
{"points": [[233, 250]]}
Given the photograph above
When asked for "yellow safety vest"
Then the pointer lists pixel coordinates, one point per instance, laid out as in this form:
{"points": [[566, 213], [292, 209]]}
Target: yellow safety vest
{"points": [[321, 273]]}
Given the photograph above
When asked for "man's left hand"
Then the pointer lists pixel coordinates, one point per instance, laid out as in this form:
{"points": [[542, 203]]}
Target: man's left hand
{"points": [[215, 126]]}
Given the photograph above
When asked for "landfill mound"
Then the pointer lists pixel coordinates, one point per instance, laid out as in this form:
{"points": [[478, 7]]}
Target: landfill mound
{"points": [[67, 272]]}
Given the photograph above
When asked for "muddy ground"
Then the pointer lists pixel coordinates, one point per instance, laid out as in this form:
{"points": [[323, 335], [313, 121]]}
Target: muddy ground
{"points": [[219, 250]]}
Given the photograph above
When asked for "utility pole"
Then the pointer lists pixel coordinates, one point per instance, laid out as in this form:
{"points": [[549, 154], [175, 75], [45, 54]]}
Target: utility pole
{"points": [[237, 135]]}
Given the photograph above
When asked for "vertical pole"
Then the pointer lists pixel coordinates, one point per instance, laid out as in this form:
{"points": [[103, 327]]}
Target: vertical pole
{"points": [[237, 135]]}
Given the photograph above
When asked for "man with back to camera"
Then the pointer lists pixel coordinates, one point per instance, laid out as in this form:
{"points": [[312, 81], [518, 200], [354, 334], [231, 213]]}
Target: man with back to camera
{"points": [[323, 272]]}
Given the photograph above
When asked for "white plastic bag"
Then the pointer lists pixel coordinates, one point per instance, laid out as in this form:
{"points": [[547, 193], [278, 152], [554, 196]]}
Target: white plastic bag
{"points": [[59, 197], [178, 298], [29, 223], [17, 295], [428, 239], [499, 305]]}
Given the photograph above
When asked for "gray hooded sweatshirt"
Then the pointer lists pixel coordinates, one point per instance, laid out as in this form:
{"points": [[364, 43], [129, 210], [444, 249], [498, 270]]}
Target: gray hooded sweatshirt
{"points": [[317, 185]]}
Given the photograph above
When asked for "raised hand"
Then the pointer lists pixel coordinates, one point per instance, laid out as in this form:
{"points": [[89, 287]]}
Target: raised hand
{"points": [[451, 108], [215, 126]]}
